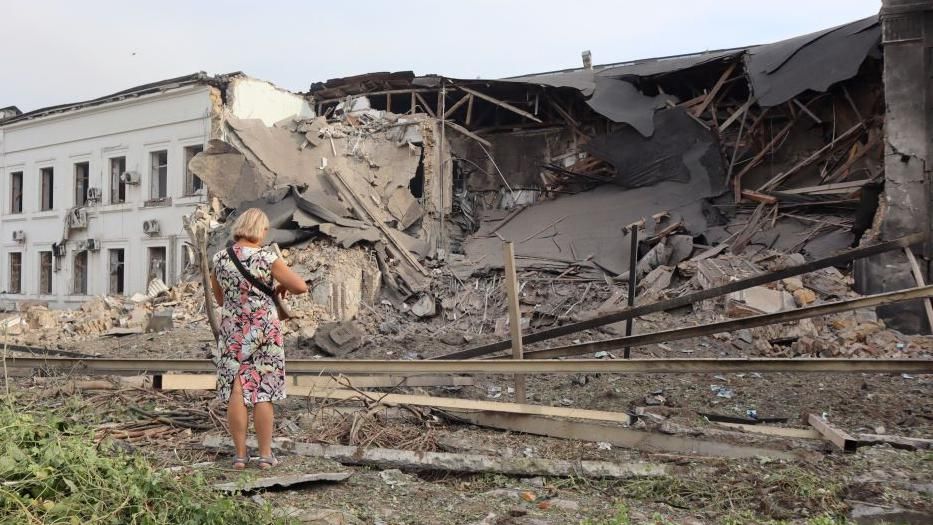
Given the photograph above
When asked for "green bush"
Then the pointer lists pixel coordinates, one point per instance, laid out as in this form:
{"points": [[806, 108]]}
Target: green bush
{"points": [[51, 472]]}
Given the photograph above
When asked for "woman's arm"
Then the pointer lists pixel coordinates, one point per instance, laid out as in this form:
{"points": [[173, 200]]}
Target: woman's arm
{"points": [[218, 292], [288, 280]]}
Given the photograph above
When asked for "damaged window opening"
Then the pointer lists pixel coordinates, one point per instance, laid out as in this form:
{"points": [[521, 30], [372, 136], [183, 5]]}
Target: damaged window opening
{"points": [[16, 192], [156, 264], [193, 184], [16, 273], [48, 189], [187, 258], [117, 265], [416, 184], [117, 186], [80, 269], [45, 273], [158, 164], [82, 182]]}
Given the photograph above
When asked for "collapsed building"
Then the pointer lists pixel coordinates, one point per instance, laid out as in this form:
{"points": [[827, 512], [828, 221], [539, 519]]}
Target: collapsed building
{"points": [[777, 146]]}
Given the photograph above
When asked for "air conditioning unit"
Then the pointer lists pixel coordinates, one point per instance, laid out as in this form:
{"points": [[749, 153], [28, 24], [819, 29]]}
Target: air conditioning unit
{"points": [[78, 218], [93, 194], [87, 245], [151, 227], [19, 236], [129, 177]]}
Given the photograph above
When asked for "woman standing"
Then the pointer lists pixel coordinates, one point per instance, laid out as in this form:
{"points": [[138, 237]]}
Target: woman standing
{"points": [[251, 362]]}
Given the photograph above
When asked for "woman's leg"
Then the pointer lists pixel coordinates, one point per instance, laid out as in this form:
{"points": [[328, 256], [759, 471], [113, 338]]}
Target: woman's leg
{"points": [[263, 415], [237, 418]]}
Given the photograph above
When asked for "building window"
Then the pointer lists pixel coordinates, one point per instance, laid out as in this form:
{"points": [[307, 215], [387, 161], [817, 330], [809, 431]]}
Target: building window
{"points": [[45, 273], [117, 269], [82, 182], [80, 273], [16, 192], [158, 164], [117, 186], [48, 189], [193, 184], [156, 264], [16, 273]]}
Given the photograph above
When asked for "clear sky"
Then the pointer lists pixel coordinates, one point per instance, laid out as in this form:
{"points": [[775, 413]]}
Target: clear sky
{"points": [[65, 51]]}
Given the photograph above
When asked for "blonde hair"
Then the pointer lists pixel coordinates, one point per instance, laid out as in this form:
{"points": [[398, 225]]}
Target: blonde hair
{"points": [[251, 225]]}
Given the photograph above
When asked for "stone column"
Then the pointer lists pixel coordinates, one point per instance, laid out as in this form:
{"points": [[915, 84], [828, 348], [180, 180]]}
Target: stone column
{"points": [[907, 38]]}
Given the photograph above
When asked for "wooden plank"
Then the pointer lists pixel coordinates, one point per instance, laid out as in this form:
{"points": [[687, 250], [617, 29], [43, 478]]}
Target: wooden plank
{"points": [[807, 111], [702, 295], [106, 366], [918, 276], [449, 462], [902, 442], [515, 315], [403, 251], [456, 106], [697, 111], [750, 229], [209, 382], [737, 181], [470, 404], [469, 115], [841, 439], [851, 186], [618, 436], [781, 177], [424, 104], [574, 125], [501, 104], [460, 129], [739, 113], [759, 197], [732, 325], [794, 433]]}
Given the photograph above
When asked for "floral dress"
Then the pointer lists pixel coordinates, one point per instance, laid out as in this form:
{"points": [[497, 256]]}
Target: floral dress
{"points": [[250, 343]]}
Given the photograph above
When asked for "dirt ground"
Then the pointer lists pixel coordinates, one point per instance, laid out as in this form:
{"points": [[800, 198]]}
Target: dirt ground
{"points": [[822, 489]]}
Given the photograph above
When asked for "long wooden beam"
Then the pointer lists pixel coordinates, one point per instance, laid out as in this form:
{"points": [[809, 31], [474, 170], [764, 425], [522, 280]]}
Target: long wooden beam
{"points": [[838, 437], [501, 103], [487, 366], [471, 404], [734, 324], [622, 437], [209, 381], [684, 300]]}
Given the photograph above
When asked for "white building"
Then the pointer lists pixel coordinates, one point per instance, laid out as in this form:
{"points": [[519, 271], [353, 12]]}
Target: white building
{"points": [[93, 193]]}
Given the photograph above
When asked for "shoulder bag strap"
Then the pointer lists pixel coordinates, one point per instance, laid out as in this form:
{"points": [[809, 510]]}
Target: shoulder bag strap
{"points": [[253, 280]]}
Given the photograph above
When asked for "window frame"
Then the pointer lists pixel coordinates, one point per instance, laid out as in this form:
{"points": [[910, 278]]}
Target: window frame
{"points": [[116, 182], [13, 200], [19, 280], [51, 191], [156, 181]]}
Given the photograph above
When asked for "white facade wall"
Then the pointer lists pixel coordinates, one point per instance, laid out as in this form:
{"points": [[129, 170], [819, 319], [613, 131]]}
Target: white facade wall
{"points": [[131, 128]]}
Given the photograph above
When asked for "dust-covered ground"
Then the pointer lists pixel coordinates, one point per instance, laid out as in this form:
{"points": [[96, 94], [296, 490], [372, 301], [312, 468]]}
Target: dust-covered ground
{"points": [[823, 487]]}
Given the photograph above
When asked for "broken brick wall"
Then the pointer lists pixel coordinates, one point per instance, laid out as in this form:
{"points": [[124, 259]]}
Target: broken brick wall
{"points": [[907, 36]]}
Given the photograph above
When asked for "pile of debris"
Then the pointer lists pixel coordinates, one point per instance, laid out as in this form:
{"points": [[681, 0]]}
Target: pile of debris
{"points": [[113, 315]]}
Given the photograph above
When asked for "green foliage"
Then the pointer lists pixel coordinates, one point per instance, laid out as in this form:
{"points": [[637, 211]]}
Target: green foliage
{"points": [[51, 472]]}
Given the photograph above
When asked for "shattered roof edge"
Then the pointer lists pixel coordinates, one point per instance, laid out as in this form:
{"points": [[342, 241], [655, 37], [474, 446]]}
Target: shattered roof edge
{"points": [[162, 85], [631, 62]]}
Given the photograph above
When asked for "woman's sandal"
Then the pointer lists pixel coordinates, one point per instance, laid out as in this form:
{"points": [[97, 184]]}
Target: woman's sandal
{"points": [[239, 463], [267, 462]]}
